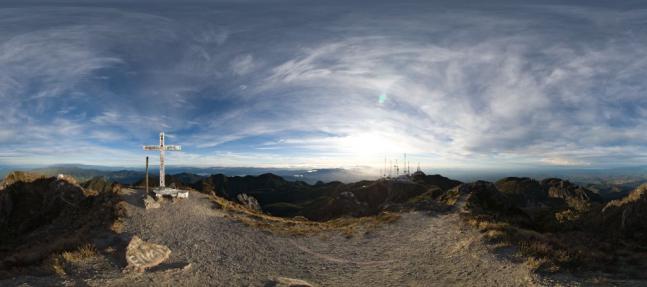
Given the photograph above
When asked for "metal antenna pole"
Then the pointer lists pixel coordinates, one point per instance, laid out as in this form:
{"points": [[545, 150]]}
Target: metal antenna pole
{"points": [[404, 170], [385, 166], [397, 168]]}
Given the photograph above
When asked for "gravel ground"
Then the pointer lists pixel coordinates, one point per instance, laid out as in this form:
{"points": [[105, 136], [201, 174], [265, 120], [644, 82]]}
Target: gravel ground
{"points": [[416, 250]]}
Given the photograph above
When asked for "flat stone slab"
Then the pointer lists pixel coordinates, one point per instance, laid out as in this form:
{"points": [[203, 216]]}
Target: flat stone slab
{"points": [[141, 254], [288, 282]]}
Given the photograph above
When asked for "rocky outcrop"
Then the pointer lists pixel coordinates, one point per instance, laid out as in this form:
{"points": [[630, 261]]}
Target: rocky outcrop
{"points": [[29, 205], [626, 216], [524, 192], [16, 176], [249, 202], [42, 215], [438, 180], [482, 197], [575, 196], [141, 255], [100, 184]]}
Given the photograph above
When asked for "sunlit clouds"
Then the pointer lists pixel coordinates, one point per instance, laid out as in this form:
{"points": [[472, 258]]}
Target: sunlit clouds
{"points": [[497, 84]]}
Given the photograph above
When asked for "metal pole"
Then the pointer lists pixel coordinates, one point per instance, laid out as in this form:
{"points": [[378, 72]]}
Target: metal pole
{"points": [[162, 183], [146, 180]]}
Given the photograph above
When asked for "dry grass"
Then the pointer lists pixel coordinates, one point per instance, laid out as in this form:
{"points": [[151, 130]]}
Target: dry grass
{"points": [[59, 263], [535, 263], [55, 265], [542, 252], [117, 226], [301, 226], [567, 215], [82, 253]]}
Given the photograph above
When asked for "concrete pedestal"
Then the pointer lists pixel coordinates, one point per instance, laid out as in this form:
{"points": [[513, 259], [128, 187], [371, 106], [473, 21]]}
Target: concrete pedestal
{"points": [[172, 192]]}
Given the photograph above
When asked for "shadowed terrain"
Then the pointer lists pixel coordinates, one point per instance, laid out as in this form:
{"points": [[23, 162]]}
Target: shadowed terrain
{"points": [[423, 230]]}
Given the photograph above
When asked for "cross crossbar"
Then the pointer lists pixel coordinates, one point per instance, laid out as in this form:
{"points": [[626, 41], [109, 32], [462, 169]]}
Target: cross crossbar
{"points": [[173, 147]]}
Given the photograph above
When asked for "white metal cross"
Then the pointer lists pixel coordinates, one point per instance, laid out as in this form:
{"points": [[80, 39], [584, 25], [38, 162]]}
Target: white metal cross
{"points": [[162, 147]]}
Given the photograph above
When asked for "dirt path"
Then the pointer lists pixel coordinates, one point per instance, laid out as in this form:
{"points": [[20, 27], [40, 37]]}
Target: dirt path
{"points": [[416, 250]]}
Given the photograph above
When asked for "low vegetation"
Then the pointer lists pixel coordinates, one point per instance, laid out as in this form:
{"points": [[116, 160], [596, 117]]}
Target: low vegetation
{"points": [[60, 262], [554, 235], [300, 225]]}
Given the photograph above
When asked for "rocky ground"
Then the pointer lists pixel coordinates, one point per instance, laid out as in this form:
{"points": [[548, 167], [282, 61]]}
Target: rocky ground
{"points": [[210, 248]]}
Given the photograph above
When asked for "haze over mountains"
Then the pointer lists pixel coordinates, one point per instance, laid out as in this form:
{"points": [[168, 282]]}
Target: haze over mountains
{"points": [[610, 183]]}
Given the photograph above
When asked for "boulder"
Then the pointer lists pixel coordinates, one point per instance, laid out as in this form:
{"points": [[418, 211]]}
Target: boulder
{"points": [[150, 202], [141, 254]]}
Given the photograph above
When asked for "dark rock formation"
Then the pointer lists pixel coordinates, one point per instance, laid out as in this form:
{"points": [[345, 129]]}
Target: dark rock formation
{"points": [[42, 215], [100, 184], [626, 216], [524, 192], [438, 180], [575, 196]]}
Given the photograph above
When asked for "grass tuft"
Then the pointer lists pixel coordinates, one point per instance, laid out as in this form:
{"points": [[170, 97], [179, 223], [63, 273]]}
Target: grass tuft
{"points": [[82, 253], [59, 263]]}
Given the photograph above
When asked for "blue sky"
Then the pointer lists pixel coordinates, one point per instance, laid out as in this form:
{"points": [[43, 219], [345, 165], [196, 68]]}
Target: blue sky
{"points": [[501, 84]]}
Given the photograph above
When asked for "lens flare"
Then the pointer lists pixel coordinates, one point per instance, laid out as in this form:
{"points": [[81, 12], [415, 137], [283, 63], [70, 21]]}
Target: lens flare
{"points": [[382, 98]]}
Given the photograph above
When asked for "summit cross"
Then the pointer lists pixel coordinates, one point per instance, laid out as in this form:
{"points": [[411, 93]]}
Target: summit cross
{"points": [[162, 147]]}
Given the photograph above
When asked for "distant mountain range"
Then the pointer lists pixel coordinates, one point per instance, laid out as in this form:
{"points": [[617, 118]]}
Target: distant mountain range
{"points": [[131, 175], [610, 183]]}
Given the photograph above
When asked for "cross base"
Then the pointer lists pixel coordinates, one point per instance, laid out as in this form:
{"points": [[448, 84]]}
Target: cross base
{"points": [[172, 192]]}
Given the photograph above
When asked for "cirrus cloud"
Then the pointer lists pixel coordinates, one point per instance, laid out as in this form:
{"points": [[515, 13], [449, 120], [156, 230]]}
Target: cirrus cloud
{"points": [[290, 84]]}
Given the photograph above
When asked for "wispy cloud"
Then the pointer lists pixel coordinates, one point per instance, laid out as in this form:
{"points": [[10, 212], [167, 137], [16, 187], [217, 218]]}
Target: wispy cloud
{"points": [[451, 84]]}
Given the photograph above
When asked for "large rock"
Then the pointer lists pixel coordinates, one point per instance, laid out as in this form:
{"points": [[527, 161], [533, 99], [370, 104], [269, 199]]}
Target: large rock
{"points": [[141, 254], [150, 202]]}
